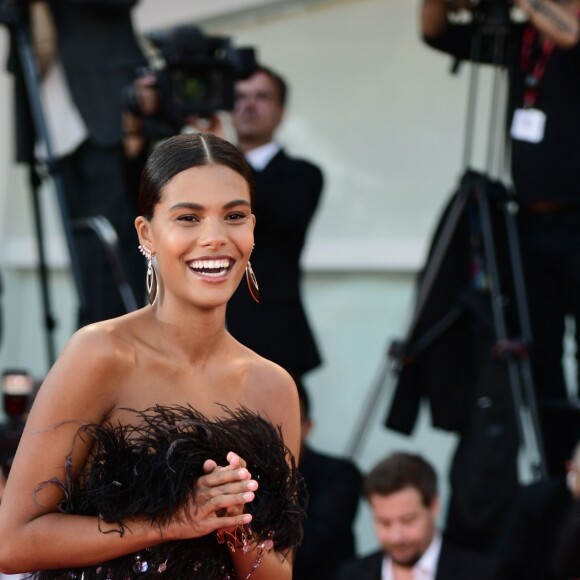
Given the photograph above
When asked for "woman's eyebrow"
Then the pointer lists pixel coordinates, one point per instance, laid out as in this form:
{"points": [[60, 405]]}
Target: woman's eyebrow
{"points": [[198, 206]]}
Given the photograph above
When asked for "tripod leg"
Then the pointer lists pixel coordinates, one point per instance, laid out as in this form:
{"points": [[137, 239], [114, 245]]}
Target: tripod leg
{"points": [[519, 381], [42, 268], [31, 79], [369, 408], [109, 240], [525, 328]]}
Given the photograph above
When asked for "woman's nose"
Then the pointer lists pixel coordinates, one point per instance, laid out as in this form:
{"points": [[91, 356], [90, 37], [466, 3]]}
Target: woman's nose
{"points": [[214, 234]]}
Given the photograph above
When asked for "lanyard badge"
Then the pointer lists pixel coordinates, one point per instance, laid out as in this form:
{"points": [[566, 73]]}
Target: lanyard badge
{"points": [[528, 123]]}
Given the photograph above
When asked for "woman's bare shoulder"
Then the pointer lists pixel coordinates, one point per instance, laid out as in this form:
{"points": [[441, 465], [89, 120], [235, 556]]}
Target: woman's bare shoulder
{"points": [[107, 343], [272, 390], [267, 377], [96, 356]]}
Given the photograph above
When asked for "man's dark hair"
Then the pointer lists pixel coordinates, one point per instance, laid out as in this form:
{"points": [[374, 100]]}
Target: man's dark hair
{"points": [[399, 471], [280, 83]]}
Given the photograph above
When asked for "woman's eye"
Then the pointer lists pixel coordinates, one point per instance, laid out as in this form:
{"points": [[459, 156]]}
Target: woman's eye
{"points": [[187, 218], [236, 216]]}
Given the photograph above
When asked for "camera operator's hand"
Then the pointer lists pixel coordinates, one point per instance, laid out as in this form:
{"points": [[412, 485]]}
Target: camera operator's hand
{"points": [[557, 21], [434, 15], [573, 478], [147, 95], [206, 124], [146, 103]]}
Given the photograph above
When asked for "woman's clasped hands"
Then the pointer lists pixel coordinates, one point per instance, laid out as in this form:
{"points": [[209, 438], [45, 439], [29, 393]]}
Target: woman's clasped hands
{"points": [[217, 504]]}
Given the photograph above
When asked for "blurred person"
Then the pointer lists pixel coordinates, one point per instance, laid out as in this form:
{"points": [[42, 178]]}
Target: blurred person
{"points": [[288, 192], [402, 494], [157, 441], [538, 541], [333, 487], [94, 57], [566, 553], [541, 54]]}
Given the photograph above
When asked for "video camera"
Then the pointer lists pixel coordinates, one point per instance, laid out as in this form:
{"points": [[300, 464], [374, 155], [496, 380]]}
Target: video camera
{"points": [[494, 14], [195, 75]]}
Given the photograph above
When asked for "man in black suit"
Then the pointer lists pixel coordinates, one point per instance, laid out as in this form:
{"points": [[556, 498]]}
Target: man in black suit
{"points": [[537, 540], [402, 493], [287, 192], [333, 485]]}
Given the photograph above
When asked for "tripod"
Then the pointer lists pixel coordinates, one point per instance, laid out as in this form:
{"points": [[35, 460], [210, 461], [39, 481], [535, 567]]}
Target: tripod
{"points": [[480, 215], [13, 16]]}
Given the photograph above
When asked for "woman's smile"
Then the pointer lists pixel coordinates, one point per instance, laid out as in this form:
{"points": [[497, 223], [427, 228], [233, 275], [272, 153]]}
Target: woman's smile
{"points": [[214, 269]]}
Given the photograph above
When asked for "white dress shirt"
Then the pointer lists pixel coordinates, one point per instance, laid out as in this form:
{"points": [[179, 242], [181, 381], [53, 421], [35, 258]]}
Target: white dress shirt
{"points": [[259, 157], [424, 569], [64, 124]]}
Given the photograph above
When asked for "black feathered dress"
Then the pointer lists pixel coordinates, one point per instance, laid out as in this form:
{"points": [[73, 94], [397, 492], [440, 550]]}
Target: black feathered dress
{"points": [[149, 469]]}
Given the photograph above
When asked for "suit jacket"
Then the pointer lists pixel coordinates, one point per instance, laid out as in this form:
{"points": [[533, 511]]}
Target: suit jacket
{"points": [[100, 54], [529, 543], [454, 564], [566, 557], [287, 193], [333, 485]]}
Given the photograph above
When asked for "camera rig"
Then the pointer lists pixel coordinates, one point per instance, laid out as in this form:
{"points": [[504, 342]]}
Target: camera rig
{"points": [[195, 74]]}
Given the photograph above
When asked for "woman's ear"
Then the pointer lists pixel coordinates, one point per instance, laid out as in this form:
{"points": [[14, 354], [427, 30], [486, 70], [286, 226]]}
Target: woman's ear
{"points": [[143, 227]]}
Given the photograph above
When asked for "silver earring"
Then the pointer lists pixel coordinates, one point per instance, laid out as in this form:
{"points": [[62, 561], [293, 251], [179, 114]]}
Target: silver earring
{"points": [[151, 278], [252, 283]]}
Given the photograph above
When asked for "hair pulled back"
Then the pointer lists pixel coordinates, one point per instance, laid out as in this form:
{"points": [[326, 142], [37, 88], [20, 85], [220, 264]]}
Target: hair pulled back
{"points": [[182, 152]]}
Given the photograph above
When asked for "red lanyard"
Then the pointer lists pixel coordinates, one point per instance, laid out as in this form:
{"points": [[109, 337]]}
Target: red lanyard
{"points": [[533, 72]]}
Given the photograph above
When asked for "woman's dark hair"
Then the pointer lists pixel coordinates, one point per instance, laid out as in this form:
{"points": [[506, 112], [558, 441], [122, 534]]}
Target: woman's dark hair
{"points": [[182, 152]]}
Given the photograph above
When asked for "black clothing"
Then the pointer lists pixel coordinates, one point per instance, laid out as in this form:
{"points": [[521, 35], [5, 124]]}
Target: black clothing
{"points": [[566, 553], [454, 564], [528, 541], [334, 488], [148, 470], [287, 193], [99, 52]]}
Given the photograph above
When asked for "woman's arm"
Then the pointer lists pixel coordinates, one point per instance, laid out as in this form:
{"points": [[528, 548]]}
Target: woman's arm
{"points": [[83, 387]]}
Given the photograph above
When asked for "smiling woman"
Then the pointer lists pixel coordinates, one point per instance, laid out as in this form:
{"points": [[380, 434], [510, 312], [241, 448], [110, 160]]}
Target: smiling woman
{"points": [[158, 444]]}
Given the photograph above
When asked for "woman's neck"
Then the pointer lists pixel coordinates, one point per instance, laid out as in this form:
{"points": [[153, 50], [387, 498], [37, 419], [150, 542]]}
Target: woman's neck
{"points": [[195, 333]]}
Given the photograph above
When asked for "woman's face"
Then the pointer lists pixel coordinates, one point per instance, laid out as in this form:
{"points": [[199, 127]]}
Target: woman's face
{"points": [[202, 233]]}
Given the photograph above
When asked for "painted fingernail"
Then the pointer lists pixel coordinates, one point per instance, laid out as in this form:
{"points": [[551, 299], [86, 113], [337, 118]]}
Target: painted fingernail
{"points": [[253, 485], [247, 518], [248, 496]]}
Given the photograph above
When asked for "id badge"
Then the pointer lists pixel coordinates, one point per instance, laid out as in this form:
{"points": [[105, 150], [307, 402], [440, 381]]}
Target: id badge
{"points": [[528, 125]]}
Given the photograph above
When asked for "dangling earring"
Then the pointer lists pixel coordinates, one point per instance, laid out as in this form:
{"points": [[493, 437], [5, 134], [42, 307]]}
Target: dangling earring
{"points": [[151, 278], [252, 283]]}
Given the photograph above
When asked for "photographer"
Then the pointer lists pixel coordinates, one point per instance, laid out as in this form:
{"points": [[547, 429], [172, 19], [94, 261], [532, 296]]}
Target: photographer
{"points": [[542, 57], [93, 53]]}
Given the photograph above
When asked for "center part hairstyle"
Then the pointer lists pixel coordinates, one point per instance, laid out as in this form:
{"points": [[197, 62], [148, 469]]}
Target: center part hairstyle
{"points": [[400, 471], [182, 152]]}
